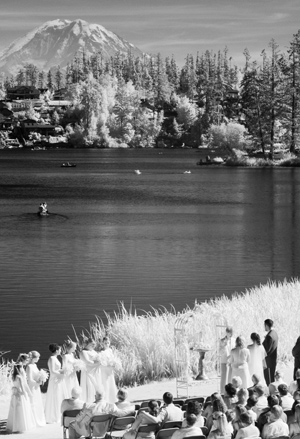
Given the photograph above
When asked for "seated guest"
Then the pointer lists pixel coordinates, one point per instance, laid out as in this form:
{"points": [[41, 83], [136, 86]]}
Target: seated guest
{"points": [[74, 403], [273, 387], [218, 405], [230, 397], [251, 402], [237, 382], [247, 428], [239, 409], [263, 417], [168, 411], [194, 408], [145, 419], [189, 430], [123, 404], [242, 396], [294, 427], [81, 425], [295, 385], [262, 401], [230, 417], [256, 382], [287, 400], [220, 427], [275, 426]]}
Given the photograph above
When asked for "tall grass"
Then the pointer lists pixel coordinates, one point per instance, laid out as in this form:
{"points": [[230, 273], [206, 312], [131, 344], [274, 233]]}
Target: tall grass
{"points": [[5, 376], [145, 343]]}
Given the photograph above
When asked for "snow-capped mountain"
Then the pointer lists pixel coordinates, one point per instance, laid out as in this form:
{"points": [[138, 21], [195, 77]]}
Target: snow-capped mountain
{"points": [[56, 42]]}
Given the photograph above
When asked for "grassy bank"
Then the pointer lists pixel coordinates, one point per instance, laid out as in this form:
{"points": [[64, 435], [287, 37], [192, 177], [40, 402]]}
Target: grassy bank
{"points": [[145, 343]]}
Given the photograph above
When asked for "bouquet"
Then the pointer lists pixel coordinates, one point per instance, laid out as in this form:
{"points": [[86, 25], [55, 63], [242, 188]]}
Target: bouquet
{"points": [[42, 376], [78, 365], [68, 369]]}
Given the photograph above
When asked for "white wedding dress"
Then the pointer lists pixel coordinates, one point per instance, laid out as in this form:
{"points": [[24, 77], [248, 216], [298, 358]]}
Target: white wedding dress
{"points": [[90, 376], [20, 416], [37, 405], [70, 375], [239, 358], [256, 361], [107, 375], [56, 391]]}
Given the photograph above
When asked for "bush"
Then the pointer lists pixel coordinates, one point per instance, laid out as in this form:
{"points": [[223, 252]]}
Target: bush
{"points": [[229, 136]]}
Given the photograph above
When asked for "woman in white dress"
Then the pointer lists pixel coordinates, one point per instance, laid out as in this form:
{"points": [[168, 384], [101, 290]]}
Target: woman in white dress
{"points": [[20, 416], [257, 361], [91, 374], [239, 358], [56, 391], [34, 380], [108, 362], [69, 367]]}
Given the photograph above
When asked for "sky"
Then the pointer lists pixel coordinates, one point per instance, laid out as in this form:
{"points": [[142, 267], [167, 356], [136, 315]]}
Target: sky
{"points": [[171, 27]]}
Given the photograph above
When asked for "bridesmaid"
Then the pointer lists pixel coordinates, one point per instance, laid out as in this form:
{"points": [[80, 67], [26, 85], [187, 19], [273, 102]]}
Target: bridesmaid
{"points": [[108, 363], [34, 381], [91, 375], [68, 360], [56, 386], [20, 416], [23, 360]]}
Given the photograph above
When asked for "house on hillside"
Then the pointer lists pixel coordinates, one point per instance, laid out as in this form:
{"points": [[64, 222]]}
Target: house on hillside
{"points": [[60, 94], [22, 92], [31, 125]]}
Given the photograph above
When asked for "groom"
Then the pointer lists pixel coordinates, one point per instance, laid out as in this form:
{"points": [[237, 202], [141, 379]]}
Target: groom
{"points": [[270, 344]]}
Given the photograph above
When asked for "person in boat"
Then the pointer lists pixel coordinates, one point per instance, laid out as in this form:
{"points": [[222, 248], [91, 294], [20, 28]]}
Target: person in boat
{"points": [[43, 209]]}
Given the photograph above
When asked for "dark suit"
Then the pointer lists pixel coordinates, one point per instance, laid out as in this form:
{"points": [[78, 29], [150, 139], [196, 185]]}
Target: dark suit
{"points": [[270, 344], [296, 355]]}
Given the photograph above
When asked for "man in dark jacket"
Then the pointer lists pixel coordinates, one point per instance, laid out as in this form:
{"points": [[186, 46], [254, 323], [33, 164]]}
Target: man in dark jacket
{"points": [[270, 344], [296, 355]]}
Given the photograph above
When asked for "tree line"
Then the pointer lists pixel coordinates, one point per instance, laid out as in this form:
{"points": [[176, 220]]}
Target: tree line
{"points": [[141, 101]]}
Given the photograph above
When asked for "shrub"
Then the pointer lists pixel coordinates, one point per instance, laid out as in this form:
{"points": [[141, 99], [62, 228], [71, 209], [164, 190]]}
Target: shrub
{"points": [[229, 136]]}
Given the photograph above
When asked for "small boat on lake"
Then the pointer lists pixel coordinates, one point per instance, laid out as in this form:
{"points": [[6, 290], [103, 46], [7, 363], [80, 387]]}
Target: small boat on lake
{"points": [[68, 165], [137, 171]]}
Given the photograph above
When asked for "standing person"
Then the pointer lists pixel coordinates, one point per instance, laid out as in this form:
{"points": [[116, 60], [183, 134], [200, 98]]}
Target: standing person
{"points": [[257, 361], [270, 344], [296, 355], [239, 358], [20, 416], [34, 379], [69, 361], [57, 391], [108, 362], [226, 344], [91, 374]]}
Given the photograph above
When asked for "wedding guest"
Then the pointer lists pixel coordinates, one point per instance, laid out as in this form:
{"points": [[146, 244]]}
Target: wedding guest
{"points": [[242, 396], [56, 391], [256, 382], [262, 401], [296, 355], [220, 427], [270, 344], [20, 417], [247, 429], [230, 397], [263, 417], [239, 409], [226, 344], [216, 404], [273, 387], [295, 385], [108, 363], [23, 360], [127, 407], [91, 374], [275, 427], [190, 430], [34, 379], [168, 411], [257, 361], [287, 400], [237, 382], [294, 426], [68, 363], [73, 403], [194, 408], [239, 358], [145, 419], [251, 403]]}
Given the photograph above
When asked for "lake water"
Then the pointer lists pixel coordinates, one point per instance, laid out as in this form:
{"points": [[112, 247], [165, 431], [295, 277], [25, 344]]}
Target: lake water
{"points": [[159, 238]]}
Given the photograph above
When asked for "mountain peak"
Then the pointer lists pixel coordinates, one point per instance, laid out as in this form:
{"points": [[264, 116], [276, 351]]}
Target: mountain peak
{"points": [[56, 42]]}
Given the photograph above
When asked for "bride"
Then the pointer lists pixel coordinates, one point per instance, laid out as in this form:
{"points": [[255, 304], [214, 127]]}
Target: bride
{"points": [[239, 358], [257, 362]]}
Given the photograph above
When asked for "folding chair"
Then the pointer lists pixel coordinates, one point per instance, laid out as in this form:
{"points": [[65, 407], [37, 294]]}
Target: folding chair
{"points": [[137, 407], [165, 433], [147, 428], [119, 425], [205, 430], [178, 402], [100, 425], [145, 403], [67, 417], [172, 424], [199, 399], [143, 409]]}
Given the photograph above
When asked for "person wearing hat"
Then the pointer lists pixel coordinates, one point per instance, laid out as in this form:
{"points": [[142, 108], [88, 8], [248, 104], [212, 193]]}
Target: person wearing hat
{"points": [[275, 427], [296, 355]]}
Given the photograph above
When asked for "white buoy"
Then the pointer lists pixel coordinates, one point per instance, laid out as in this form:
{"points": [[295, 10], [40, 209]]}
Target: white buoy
{"points": [[137, 171], [187, 172]]}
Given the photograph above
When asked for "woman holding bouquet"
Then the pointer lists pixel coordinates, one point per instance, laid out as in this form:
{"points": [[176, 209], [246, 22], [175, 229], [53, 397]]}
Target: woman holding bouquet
{"points": [[20, 416], [70, 366], [91, 374], [56, 388], [108, 363], [35, 378]]}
